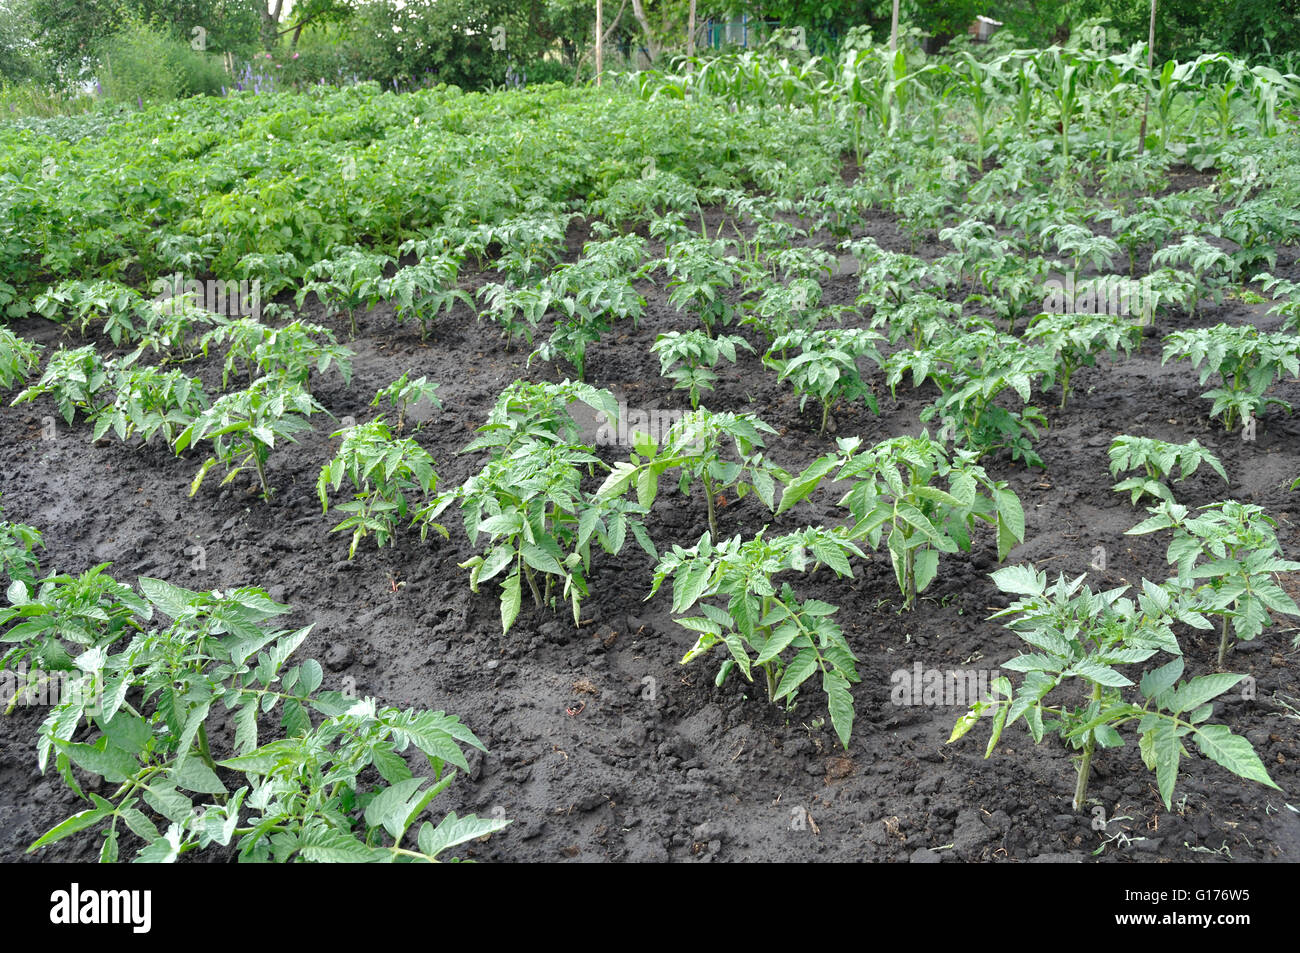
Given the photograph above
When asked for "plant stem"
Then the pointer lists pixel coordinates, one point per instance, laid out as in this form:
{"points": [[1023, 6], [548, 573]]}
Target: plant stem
{"points": [[532, 584], [1085, 766], [708, 497], [261, 474], [204, 751], [1223, 643]]}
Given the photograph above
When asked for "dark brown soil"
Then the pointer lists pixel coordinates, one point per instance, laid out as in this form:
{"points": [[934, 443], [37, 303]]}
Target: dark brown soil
{"points": [[660, 764]]}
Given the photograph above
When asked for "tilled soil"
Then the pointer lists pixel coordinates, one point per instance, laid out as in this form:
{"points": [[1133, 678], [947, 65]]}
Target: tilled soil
{"points": [[657, 763]]}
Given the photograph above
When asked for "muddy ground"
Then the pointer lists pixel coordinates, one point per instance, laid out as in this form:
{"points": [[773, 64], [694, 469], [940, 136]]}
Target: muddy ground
{"points": [[660, 764]]}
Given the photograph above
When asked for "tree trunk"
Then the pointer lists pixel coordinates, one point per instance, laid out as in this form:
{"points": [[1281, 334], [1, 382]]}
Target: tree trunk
{"points": [[893, 30], [651, 45], [271, 20]]}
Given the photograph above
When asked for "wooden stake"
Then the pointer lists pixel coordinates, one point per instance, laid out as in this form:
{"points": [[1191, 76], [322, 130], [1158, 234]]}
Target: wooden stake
{"points": [[600, 29]]}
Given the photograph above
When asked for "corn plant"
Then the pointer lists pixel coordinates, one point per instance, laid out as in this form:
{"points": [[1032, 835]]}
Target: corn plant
{"points": [[698, 354], [1079, 637], [1158, 460], [404, 392], [148, 401], [1234, 547], [762, 627], [1075, 340], [895, 489], [383, 473], [348, 280], [826, 366], [244, 426], [77, 380], [17, 358], [1247, 362]]}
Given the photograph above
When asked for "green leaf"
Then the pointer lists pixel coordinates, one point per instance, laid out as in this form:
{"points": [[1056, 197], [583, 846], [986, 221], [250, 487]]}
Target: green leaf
{"points": [[194, 775], [1219, 744], [510, 601], [796, 673], [1200, 690], [77, 822], [926, 566], [840, 702], [104, 759], [1165, 749], [1161, 679], [393, 805], [454, 831]]}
